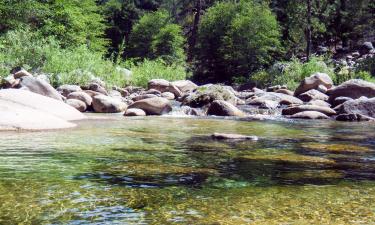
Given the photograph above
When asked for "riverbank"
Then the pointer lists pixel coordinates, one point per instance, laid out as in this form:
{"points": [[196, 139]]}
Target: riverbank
{"points": [[316, 97]]}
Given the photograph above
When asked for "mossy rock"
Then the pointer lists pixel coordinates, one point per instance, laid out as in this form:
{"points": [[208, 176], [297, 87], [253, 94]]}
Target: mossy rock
{"points": [[207, 94]]}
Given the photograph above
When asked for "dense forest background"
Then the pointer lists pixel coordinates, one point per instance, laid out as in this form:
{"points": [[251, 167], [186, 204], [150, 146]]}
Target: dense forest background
{"points": [[233, 41]]}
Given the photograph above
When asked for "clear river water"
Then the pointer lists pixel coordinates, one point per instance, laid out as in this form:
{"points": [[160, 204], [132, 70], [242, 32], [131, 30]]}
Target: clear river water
{"points": [[167, 170]]}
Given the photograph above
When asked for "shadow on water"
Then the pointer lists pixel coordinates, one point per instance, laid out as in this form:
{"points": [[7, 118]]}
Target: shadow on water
{"points": [[138, 181]]}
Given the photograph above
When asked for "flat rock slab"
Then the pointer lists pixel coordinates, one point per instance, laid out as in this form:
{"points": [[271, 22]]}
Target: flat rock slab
{"points": [[25, 110], [222, 136]]}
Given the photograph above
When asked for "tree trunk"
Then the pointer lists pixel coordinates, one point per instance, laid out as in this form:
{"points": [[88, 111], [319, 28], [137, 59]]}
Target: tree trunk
{"points": [[194, 33], [308, 30]]}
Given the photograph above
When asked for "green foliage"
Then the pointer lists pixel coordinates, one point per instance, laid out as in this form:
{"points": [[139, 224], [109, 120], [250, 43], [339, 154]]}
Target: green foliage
{"points": [[291, 73], [70, 65], [155, 37], [155, 69], [72, 23], [235, 39]]}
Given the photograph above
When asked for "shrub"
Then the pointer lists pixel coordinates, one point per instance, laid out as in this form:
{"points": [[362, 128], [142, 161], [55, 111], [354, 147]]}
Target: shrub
{"points": [[71, 65], [155, 69]]}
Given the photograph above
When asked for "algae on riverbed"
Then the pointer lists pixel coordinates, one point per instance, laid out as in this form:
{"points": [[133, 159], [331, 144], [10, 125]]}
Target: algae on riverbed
{"points": [[169, 170]]}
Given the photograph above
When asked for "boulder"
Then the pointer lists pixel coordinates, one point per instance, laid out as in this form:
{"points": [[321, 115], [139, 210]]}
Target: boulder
{"points": [[106, 104], [20, 109], [353, 89], [313, 115], [168, 95], [313, 82], [223, 108], [354, 117], [124, 92], [153, 92], [340, 100], [39, 86], [153, 106], [362, 106], [285, 91], [21, 73], [319, 103], [204, 95], [281, 99], [185, 85], [302, 108], [164, 86], [140, 97], [97, 88], [269, 104], [82, 96], [313, 95], [366, 48], [322, 89], [66, 89], [77, 104], [135, 112], [223, 136]]}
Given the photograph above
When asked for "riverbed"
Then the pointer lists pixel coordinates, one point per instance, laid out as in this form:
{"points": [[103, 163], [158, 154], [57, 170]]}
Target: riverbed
{"points": [[168, 170]]}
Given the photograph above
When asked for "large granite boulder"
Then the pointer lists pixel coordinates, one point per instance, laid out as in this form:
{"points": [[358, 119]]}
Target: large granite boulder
{"points": [[153, 106], [25, 110], [223, 108], [105, 104], [353, 89], [39, 86], [313, 82], [362, 106]]}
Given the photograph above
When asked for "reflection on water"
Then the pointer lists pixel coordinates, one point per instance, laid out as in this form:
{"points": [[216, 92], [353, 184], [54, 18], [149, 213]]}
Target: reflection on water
{"points": [[167, 170]]}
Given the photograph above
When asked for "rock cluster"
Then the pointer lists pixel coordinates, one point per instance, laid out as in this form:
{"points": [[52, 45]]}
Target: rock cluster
{"points": [[315, 98]]}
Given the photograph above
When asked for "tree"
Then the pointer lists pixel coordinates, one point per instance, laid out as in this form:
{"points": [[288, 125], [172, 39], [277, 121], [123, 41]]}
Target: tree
{"points": [[154, 36], [73, 23], [235, 39]]}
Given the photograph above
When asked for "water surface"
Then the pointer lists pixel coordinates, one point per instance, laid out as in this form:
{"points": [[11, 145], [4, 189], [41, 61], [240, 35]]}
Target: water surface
{"points": [[162, 170]]}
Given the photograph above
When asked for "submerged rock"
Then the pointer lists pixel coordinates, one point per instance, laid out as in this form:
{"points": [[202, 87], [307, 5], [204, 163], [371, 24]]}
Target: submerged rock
{"points": [[223, 108], [354, 117], [153, 106], [223, 136]]}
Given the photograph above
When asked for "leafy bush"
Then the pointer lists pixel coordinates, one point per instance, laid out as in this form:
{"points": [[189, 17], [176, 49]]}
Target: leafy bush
{"points": [[71, 65], [155, 69], [235, 39]]}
